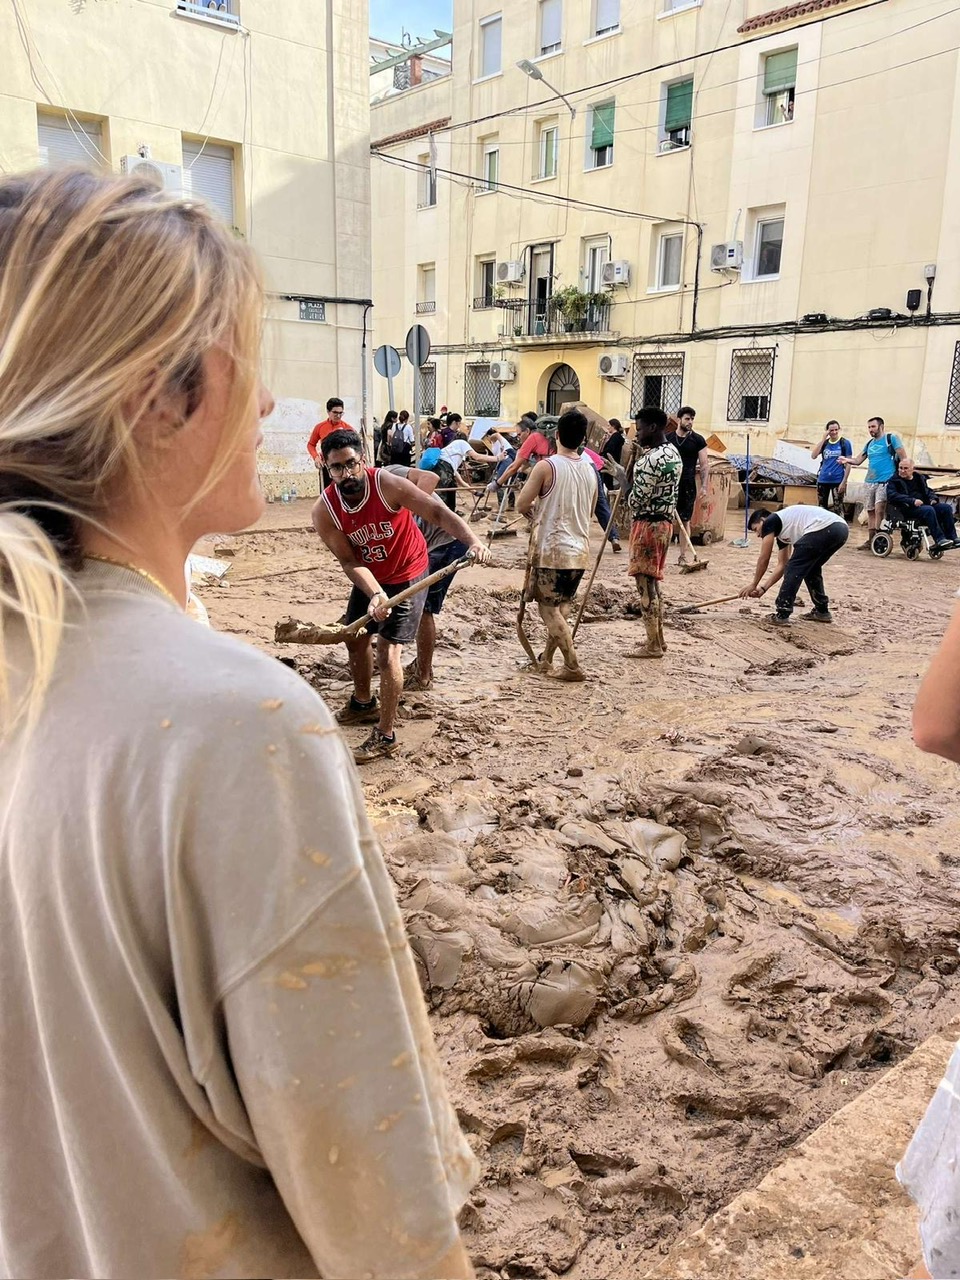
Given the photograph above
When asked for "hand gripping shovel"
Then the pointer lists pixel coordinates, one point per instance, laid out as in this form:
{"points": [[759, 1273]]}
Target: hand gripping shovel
{"points": [[292, 631]]}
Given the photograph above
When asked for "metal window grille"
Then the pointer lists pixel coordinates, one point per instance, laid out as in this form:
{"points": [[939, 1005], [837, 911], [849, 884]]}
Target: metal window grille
{"points": [[401, 75], [220, 10], [657, 382], [481, 395], [952, 417], [428, 388], [751, 384]]}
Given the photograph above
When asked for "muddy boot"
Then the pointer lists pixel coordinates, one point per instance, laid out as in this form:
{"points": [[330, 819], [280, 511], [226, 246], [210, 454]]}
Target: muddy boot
{"points": [[654, 649], [573, 675]]}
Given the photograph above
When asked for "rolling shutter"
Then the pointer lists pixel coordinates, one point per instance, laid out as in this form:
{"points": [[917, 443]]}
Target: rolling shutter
{"points": [[68, 142], [208, 174], [780, 71], [679, 105]]}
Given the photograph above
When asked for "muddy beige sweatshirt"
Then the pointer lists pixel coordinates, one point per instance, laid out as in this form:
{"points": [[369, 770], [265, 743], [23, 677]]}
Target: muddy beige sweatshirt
{"points": [[214, 1055]]}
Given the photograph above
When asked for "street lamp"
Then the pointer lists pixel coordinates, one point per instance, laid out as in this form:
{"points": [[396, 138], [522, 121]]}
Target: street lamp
{"points": [[533, 71]]}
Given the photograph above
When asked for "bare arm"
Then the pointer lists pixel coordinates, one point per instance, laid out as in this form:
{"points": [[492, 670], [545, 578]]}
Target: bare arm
{"points": [[401, 493], [858, 461], [936, 712], [818, 448], [703, 460], [533, 489], [766, 550], [338, 542], [782, 561]]}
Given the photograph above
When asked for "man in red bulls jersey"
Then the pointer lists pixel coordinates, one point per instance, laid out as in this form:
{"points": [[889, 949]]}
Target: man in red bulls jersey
{"points": [[365, 516]]}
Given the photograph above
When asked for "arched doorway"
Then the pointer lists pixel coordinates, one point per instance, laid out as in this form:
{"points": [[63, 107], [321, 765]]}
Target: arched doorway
{"points": [[563, 387]]}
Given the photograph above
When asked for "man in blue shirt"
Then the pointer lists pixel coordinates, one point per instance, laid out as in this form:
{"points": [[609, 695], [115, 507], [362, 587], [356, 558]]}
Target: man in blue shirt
{"points": [[882, 453], [831, 479]]}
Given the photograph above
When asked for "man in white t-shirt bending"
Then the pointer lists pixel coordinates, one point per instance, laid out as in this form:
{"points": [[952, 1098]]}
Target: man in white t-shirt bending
{"points": [[807, 537]]}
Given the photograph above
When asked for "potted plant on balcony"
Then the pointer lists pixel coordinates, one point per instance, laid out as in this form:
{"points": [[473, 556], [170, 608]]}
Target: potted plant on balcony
{"points": [[597, 304], [572, 304]]}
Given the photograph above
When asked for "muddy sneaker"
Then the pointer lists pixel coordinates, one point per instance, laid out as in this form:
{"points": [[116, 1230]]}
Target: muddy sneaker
{"points": [[377, 747], [359, 712], [573, 675], [816, 616], [778, 620]]}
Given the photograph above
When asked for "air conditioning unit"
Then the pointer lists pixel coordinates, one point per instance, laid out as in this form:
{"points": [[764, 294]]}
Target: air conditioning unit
{"points": [[616, 273], [509, 272], [727, 257], [167, 176], [614, 366], [502, 371]]}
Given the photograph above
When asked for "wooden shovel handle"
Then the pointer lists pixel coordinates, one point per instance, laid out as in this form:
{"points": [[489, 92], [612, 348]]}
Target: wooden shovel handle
{"points": [[414, 590], [703, 604]]}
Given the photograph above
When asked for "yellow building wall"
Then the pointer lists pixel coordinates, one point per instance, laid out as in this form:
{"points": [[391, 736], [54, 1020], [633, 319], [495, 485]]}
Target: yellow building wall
{"points": [[289, 92], [867, 173]]}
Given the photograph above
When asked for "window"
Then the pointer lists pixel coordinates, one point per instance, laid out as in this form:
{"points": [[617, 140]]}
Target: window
{"points": [[547, 150], [606, 17], [67, 140], [427, 289], [751, 384], [657, 382], [428, 389], [491, 43], [489, 164], [481, 395], [674, 6], [551, 26], [600, 135], [596, 255], [952, 415], [225, 11], [769, 247], [779, 87], [486, 284], [669, 259], [677, 114], [427, 184], [208, 173]]}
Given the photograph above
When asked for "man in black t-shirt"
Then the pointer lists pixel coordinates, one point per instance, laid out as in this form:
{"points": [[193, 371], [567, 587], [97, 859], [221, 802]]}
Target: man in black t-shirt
{"points": [[909, 491], [693, 454]]}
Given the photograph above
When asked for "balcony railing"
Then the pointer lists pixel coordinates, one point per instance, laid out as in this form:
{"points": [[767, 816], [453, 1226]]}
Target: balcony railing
{"points": [[225, 11], [426, 308], [541, 320], [486, 303]]}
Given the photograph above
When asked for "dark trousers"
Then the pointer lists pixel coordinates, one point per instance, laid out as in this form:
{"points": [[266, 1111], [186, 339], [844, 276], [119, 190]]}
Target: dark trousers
{"points": [[824, 494], [810, 554], [602, 510], [938, 519]]}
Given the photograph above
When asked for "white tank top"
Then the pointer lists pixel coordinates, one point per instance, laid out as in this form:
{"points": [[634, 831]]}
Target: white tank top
{"points": [[563, 516]]}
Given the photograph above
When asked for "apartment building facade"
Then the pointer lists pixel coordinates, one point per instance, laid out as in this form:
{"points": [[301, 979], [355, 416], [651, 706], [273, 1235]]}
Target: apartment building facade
{"points": [[261, 109], [732, 206]]}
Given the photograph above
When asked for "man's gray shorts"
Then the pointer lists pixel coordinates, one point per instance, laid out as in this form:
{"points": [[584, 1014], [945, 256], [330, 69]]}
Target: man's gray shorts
{"points": [[875, 493]]}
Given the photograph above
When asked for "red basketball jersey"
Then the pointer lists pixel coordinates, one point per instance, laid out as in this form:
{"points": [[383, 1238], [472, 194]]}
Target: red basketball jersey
{"points": [[386, 539]]}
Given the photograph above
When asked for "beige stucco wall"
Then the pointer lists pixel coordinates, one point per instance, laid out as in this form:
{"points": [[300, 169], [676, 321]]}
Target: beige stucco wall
{"points": [[867, 173], [289, 92]]}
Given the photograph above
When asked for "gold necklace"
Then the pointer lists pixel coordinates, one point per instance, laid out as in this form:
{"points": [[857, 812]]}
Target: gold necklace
{"points": [[124, 564]]}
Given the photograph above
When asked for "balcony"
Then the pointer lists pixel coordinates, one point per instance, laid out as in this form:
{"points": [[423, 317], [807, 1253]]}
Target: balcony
{"points": [[486, 303], [426, 308], [224, 13], [544, 320]]}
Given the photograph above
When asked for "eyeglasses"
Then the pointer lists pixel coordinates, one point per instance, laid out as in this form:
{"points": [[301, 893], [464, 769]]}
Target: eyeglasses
{"points": [[345, 468]]}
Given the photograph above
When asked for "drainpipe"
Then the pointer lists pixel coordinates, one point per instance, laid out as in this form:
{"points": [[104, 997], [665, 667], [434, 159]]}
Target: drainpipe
{"points": [[696, 279], [367, 306]]}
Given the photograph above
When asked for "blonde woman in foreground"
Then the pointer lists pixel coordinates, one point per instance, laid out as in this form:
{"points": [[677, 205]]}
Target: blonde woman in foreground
{"points": [[214, 1055]]}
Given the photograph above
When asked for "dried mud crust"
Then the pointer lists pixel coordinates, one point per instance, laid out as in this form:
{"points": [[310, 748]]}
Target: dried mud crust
{"points": [[666, 923]]}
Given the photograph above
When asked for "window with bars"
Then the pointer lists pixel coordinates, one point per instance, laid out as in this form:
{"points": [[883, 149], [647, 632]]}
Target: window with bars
{"points": [[428, 389], [481, 395], [952, 416], [486, 284], [657, 382], [751, 384], [225, 11]]}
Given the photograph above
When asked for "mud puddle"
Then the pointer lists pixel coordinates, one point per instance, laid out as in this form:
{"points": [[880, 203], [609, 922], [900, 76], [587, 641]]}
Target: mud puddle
{"points": [[667, 921]]}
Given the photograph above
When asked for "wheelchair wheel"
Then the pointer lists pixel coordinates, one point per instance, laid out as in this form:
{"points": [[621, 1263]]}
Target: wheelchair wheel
{"points": [[882, 544], [936, 553], [912, 551]]}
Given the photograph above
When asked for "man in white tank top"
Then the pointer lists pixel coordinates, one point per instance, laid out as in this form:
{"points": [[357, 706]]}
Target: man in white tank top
{"points": [[561, 492], [807, 537]]}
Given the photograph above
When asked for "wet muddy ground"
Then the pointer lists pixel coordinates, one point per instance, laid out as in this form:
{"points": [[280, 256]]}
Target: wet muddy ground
{"points": [[667, 920]]}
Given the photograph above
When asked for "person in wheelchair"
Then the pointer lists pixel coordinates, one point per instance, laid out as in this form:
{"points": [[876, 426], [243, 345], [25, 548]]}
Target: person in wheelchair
{"points": [[910, 497]]}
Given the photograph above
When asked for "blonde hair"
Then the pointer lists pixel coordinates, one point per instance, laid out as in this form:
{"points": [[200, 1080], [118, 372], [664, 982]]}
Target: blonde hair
{"points": [[112, 292]]}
